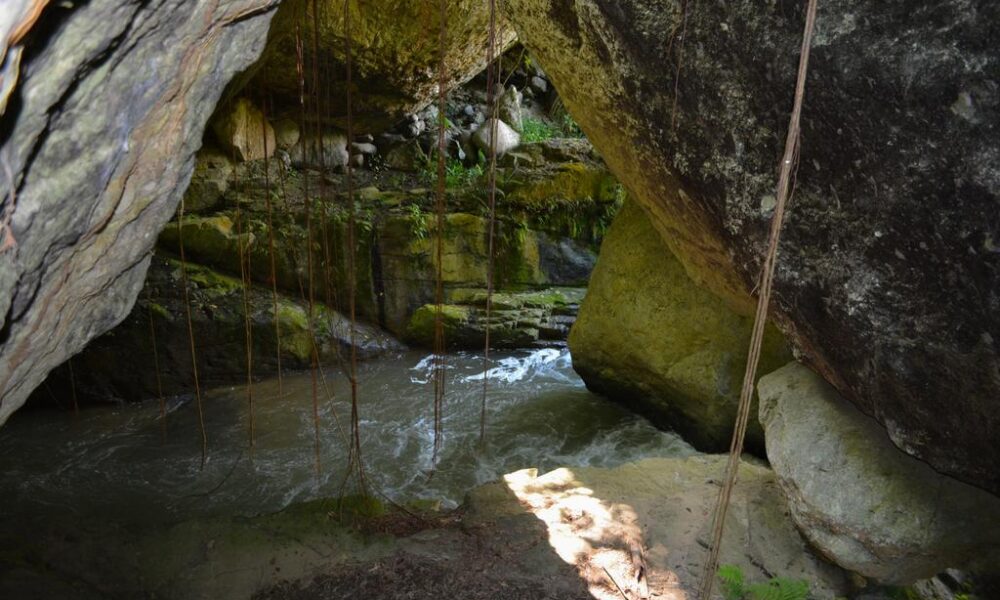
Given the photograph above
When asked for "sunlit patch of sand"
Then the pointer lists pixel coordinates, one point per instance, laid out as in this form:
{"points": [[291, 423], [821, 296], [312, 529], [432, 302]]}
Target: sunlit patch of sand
{"points": [[602, 540]]}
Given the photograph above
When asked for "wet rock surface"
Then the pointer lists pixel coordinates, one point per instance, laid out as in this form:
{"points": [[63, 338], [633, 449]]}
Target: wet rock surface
{"points": [[889, 274]]}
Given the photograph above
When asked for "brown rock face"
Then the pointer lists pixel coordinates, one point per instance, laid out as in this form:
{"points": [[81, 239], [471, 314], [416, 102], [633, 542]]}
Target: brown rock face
{"points": [[97, 145], [242, 130], [889, 272]]}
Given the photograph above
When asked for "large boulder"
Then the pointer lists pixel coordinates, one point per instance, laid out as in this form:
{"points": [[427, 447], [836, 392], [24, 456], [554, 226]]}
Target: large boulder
{"points": [[859, 500], [395, 48], [507, 138], [99, 138], [889, 271], [647, 336]]}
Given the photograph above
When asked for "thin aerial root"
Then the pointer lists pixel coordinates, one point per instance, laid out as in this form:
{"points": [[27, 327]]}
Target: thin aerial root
{"points": [[194, 355], [156, 369], [242, 245], [355, 455], [439, 209], [314, 355], [271, 253], [492, 77]]}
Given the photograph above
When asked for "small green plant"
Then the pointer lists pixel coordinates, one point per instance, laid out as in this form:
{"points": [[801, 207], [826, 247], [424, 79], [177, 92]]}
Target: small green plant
{"points": [[570, 128], [418, 221], [456, 174], [734, 587], [536, 130]]}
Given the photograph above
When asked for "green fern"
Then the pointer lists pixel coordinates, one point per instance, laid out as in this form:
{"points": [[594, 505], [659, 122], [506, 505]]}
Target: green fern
{"points": [[734, 587], [732, 582], [780, 588]]}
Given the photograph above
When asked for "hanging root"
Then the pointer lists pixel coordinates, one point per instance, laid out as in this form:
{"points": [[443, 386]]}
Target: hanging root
{"points": [[439, 208], [190, 327], [270, 243], [492, 77], [314, 366], [156, 369], [355, 462], [760, 319], [242, 245]]}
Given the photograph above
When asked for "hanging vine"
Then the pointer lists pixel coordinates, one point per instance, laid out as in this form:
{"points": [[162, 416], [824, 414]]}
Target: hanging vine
{"points": [[310, 299], [355, 463], [439, 209], [243, 252], [190, 327], [270, 245], [492, 100]]}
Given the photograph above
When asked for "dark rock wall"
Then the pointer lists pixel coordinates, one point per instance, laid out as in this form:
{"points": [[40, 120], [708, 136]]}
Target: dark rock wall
{"points": [[889, 275], [97, 145]]}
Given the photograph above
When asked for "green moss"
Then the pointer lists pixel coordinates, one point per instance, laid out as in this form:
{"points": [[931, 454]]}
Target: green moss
{"points": [[647, 332], [421, 326], [160, 310], [210, 281]]}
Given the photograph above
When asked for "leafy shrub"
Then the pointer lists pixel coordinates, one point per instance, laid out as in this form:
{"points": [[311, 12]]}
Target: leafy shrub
{"points": [[418, 221]]}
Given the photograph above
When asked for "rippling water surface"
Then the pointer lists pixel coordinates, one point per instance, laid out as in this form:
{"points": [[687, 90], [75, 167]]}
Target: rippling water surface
{"points": [[116, 462]]}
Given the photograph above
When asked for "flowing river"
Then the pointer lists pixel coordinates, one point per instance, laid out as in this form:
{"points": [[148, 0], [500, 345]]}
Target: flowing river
{"points": [[127, 464]]}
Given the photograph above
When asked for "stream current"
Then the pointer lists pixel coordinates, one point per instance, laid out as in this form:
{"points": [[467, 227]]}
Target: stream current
{"points": [[122, 463]]}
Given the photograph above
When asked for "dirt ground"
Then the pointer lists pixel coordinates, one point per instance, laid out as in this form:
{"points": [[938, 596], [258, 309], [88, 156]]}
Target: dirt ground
{"points": [[406, 577]]}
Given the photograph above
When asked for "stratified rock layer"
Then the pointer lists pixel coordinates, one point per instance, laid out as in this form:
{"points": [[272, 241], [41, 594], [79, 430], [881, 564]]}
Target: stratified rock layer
{"points": [[648, 336], [862, 502], [889, 273]]}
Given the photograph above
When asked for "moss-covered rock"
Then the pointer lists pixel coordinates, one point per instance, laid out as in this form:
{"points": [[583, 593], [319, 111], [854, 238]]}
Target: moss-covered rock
{"points": [[209, 182], [217, 314], [517, 319], [395, 53], [648, 336], [888, 265]]}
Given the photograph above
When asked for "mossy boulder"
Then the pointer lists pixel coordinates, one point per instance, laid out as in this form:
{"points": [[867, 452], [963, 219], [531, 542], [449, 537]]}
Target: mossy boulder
{"points": [[408, 252], [209, 182], [648, 336]]}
